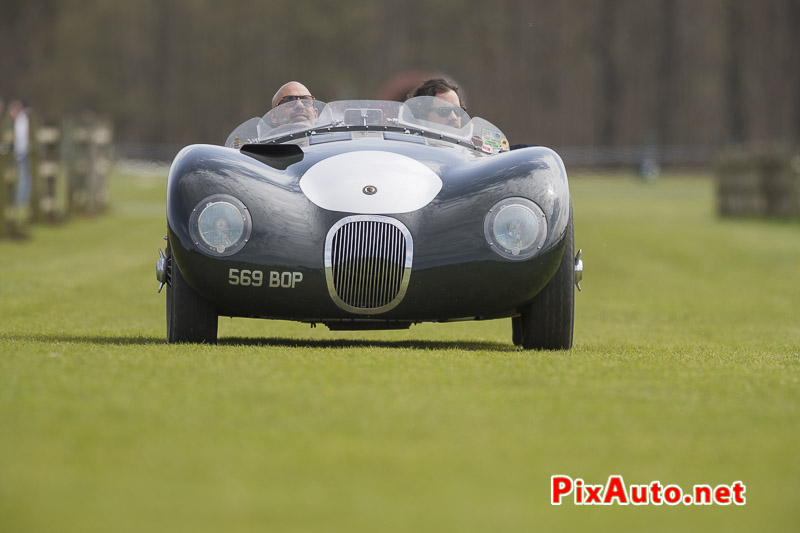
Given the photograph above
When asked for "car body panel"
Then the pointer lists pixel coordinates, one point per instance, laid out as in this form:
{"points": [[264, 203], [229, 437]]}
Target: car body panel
{"points": [[439, 190]]}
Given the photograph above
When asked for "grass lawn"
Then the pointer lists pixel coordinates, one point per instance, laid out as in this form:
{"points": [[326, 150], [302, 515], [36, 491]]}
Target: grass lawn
{"points": [[686, 370]]}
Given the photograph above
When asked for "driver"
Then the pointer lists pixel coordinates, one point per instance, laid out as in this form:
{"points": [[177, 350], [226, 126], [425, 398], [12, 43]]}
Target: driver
{"points": [[447, 112], [293, 104]]}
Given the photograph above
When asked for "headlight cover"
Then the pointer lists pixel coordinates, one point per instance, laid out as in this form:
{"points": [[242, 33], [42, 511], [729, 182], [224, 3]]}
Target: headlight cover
{"points": [[220, 225], [515, 228]]}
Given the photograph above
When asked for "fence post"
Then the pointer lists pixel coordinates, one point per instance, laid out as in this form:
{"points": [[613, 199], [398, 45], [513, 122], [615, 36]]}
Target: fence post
{"points": [[87, 153], [78, 166], [100, 157], [758, 181], [738, 184], [780, 182], [49, 173]]}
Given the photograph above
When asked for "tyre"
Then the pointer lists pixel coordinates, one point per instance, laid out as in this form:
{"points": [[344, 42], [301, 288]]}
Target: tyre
{"points": [[546, 322], [516, 330], [190, 318]]}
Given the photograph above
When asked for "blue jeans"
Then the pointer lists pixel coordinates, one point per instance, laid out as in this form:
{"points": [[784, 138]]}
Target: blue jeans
{"points": [[23, 180]]}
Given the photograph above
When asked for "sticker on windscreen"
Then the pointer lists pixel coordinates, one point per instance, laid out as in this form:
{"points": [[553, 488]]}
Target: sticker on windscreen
{"points": [[493, 141]]}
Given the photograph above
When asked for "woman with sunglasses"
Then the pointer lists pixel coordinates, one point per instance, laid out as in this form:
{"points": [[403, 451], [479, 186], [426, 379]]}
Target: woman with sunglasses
{"points": [[446, 113]]}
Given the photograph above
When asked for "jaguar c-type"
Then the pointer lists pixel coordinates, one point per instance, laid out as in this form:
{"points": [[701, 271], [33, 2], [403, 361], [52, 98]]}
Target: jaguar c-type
{"points": [[366, 214]]}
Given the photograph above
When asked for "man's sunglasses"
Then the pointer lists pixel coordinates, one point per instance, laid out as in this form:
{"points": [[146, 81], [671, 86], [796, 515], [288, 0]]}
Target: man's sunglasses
{"points": [[445, 111], [307, 100]]}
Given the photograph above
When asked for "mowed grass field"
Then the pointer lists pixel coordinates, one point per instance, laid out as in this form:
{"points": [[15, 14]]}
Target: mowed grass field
{"points": [[685, 370]]}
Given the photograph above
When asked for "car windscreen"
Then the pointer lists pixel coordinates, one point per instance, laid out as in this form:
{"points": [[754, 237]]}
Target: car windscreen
{"points": [[424, 114]]}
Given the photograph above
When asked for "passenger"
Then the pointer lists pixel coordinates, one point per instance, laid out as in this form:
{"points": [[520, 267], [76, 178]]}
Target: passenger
{"points": [[300, 108], [447, 114]]}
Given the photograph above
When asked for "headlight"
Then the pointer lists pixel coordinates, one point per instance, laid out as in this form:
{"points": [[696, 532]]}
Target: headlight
{"points": [[515, 228], [220, 225]]}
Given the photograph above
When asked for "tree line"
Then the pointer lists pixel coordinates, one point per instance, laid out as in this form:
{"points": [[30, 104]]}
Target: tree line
{"points": [[559, 73]]}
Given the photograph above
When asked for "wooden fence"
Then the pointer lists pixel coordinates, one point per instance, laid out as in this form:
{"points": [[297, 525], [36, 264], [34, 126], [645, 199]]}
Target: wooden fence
{"points": [[759, 181], [69, 167]]}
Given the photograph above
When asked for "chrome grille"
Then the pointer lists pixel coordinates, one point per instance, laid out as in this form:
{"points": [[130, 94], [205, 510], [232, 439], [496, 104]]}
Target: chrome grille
{"points": [[368, 263]]}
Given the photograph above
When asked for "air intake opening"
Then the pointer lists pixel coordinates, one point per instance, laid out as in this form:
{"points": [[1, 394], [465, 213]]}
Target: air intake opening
{"points": [[368, 263]]}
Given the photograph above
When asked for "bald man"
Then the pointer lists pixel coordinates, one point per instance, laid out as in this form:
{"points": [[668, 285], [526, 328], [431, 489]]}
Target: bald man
{"points": [[293, 104]]}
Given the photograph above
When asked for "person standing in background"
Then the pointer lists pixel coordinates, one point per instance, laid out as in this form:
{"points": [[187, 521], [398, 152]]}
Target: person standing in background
{"points": [[21, 152], [21, 128]]}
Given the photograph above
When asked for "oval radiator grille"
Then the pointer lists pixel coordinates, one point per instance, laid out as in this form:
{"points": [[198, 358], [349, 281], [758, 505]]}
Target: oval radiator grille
{"points": [[368, 263]]}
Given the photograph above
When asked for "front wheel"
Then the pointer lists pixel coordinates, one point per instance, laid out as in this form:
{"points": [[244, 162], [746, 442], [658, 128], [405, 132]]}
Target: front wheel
{"points": [[546, 322], [516, 330], [190, 318]]}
